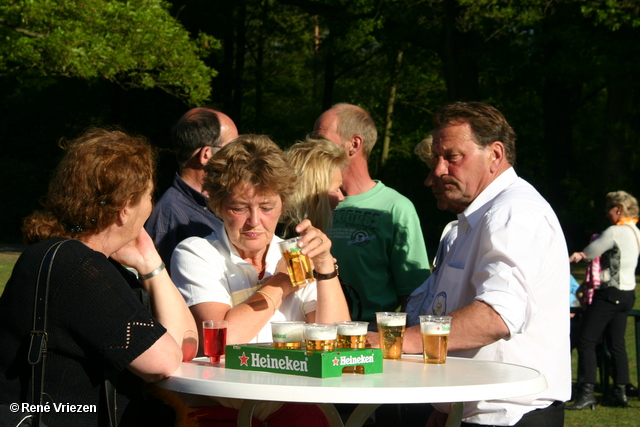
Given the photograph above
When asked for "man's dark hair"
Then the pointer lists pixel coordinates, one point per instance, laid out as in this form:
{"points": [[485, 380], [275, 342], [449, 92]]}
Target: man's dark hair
{"points": [[196, 129], [486, 122]]}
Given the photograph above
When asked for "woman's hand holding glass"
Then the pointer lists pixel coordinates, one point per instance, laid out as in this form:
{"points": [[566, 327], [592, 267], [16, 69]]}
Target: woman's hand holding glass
{"points": [[317, 246]]}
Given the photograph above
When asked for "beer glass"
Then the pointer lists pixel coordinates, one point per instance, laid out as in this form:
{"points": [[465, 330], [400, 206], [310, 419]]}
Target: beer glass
{"points": [[320, 336], [435, 337], [391, 332], [298, 265], [215, 339], [352, 334], [287, 334]]}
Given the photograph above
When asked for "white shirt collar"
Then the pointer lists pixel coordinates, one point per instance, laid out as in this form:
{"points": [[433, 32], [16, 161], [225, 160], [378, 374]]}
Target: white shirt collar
{"points": [[479, 206]]}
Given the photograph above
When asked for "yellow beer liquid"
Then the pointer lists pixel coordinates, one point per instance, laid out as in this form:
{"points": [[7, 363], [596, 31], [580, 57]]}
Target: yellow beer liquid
{"points": [[287, 345], [352, 341], [298, 267], [391, 341], [434, 348], [320, 345]]}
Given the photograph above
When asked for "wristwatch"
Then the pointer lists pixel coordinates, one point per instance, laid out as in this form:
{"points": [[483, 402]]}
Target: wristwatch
{"points": [[331, 275]]}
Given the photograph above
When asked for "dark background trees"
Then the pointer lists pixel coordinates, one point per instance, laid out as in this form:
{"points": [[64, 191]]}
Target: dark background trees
{"points": [[564, 73]]}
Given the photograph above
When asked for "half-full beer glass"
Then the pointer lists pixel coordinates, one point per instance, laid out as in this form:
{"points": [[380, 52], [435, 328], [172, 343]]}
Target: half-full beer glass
{"points": [[391, 331], [320, 336], [435, 337], [298, 265], [287, 334]]}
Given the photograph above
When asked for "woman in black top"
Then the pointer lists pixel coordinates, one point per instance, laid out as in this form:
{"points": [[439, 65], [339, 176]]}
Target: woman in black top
{"points": [[100, 196]]}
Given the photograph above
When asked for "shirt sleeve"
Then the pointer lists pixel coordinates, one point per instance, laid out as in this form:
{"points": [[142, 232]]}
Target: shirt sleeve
{"points": [[102, 315], [515, 249], [409, 260], [196, 273], [600, 245]]}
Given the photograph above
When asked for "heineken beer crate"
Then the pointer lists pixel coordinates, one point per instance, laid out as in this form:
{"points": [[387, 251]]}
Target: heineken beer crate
{"points": [[263, 357]]}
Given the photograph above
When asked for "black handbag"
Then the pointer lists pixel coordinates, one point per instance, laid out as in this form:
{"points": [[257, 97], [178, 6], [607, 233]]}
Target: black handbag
{"points": [[11, 415]]}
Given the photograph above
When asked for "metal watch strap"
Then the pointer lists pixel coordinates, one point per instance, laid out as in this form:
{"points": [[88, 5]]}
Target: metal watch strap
{"points": [[319, 276]]}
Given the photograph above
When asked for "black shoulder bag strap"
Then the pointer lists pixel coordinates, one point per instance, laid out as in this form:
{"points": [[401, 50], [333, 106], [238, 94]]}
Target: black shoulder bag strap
{"points": [[38, 347]]}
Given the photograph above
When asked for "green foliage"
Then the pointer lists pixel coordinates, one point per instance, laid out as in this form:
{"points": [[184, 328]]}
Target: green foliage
{"points": [[134, 43], [613, 13]]}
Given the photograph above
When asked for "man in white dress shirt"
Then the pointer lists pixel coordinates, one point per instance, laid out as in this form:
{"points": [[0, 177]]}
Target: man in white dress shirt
{"points": [[504, 279]]}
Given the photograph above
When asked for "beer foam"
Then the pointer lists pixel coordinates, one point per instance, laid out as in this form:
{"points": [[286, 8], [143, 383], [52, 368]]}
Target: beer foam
{"points": [[392, 320], [320, 333], [352, 329], [286, 332], [434, 328], [290, 245]]}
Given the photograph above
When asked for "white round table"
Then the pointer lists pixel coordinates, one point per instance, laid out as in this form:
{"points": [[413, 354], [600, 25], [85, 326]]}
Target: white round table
{"points": [[408, 380]]}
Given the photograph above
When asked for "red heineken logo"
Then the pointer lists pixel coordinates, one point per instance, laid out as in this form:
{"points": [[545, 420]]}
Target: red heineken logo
{"points": [[243, 359]]}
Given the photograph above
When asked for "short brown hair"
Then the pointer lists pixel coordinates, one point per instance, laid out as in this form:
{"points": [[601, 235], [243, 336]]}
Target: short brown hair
{"points": [[100, 173], [249, 159], [487, 124], [354, 120]]}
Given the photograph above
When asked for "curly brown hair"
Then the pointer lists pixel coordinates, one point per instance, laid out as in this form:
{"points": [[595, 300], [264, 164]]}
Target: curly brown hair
{"points": [[249, 159], [100, 173]]}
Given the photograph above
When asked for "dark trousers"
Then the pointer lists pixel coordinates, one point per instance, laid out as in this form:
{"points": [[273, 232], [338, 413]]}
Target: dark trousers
{"points": [[606, 315], [551, 416]]}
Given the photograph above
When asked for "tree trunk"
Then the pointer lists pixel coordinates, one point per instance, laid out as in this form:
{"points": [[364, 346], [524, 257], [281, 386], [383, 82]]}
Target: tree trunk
{"points": [[260, 66], [390, 104], [458, 54], [241, 46]]}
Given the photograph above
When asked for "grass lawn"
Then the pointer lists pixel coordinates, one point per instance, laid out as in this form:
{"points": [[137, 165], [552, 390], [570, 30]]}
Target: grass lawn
{"points": [[7, 260], [602, 416]]}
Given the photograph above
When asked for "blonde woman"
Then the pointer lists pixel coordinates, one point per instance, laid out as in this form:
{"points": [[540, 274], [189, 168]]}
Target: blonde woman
{"points": [[618, 248], [318, 163]]}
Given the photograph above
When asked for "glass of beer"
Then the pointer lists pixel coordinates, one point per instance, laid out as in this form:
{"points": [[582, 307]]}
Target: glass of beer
{"points": [[435, 336], [351, 334], [391, 331], [215, 339], [320, 336], [287, 334], [298, 265]]}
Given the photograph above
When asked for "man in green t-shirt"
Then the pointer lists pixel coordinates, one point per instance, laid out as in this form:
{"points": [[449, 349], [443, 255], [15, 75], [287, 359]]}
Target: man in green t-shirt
{"points": [[376, 233]]}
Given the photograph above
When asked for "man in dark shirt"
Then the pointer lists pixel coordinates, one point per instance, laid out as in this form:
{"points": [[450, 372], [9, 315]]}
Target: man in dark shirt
{"points": [[182, 210]]}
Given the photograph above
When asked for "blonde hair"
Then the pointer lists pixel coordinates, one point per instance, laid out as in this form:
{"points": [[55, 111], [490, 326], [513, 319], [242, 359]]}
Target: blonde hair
{"points": [[313, 161], [628, 203], [423, 150], [249, 159]]}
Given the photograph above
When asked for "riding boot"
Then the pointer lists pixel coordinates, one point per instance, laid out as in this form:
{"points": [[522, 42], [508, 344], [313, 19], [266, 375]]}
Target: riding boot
{"points": [[619, 396], [585, 397]]}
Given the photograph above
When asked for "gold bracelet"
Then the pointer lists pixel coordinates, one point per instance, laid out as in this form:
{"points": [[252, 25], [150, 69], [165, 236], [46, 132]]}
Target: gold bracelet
{"points": [[270, 298]]}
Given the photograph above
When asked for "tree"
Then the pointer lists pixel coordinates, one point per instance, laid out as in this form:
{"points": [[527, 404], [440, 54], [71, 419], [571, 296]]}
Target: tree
{"points": [[134, 43]]}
